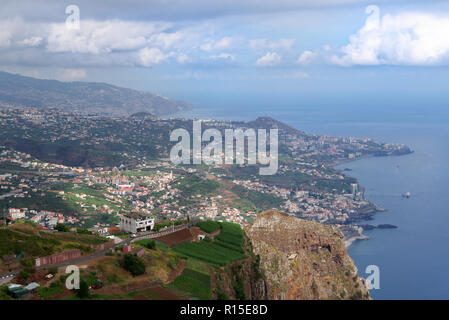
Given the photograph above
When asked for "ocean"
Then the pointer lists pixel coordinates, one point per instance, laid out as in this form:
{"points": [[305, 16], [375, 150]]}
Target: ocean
{"points": [[414, 258]]}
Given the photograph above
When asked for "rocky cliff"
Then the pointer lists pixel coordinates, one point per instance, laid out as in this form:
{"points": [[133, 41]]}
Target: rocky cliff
{"points": [[302, 259]]}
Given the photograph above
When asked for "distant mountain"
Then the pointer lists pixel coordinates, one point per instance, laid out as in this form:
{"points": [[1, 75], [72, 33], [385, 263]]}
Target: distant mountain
{"points": [[17, 91]]}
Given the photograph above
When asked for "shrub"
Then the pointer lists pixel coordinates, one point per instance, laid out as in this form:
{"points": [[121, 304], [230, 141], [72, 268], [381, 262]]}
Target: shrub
{"points": [[150, 244], [83, 291], [133, 264], [61, 227], [238, 288], [83, 231], [24, 275], [173, 262]]}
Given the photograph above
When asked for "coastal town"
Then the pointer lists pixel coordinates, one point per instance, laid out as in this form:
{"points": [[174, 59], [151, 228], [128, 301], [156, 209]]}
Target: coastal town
{"points": [[45, 187]]}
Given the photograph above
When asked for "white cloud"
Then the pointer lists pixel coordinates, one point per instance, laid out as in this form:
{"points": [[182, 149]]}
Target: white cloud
{"points": [[305, 58], [263, 44], [32, 42], [101, 36], [408, 38], [270, 59], [96, 43], [224, 55], [152, 56], [221, 44], [167, 40], [9, 29], [183, 58]]}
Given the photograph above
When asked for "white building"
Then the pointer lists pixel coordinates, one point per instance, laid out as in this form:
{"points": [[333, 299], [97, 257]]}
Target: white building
{"points": [[136, 222], [16, 214]]}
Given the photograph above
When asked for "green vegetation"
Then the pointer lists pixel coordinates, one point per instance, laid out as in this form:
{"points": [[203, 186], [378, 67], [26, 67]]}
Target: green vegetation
{"points": [[194, 282], [83, 291], [55, 288], [193, 185], [151, 244], [4, 293], [226, 248], [133, 264], [25, 239], [36, 201], [82, 247], [208, 226], [148, 242], [83, 231], [61, 227], [237, 285], [160, 226], [259, 200], [231, 236], [15, 243]]}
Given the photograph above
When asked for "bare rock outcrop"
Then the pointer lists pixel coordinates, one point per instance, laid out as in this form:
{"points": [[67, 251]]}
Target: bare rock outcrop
{"points": [[302, 259]]}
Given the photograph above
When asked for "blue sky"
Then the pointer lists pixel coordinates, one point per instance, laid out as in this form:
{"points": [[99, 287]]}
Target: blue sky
{"points": [[231, 52]]}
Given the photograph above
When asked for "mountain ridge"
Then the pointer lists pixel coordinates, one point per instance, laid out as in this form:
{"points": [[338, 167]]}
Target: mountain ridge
{"points": [[18, 91]]}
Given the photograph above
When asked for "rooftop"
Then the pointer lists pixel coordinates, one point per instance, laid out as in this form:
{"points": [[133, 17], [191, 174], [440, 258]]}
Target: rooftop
{"points": [[137, 216]]}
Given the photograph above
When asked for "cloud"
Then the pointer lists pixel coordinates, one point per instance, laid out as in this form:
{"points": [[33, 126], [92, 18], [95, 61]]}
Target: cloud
{"points": [[96, 44], [152, 56], [32, 42], [305, 58], [270, 59], [263, 44], [12, 29], [168, 10], [101, 36], [183, 58], [224, 55], [408, 38], [221, 44]]}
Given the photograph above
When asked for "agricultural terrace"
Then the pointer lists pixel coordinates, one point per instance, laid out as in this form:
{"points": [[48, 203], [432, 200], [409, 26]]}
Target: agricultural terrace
{"points": [[224, 249]]}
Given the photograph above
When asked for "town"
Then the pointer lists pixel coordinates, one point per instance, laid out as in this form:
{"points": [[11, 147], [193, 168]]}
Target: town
{"points": [[46, 188]]}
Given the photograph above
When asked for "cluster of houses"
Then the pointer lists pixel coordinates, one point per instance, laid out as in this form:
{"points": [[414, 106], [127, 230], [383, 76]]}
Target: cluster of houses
{"points": [[43, 218]]}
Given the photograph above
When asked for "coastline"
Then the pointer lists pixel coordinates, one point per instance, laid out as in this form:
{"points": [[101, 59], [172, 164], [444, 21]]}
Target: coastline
{"points": [[367, 212], [349, 241]]}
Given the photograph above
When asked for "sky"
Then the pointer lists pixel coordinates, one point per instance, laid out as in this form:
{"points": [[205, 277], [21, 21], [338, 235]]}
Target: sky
{"points": [[238, 52]]}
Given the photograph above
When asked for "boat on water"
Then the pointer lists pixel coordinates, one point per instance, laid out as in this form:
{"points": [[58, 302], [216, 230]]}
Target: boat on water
{"points": [[406, 195]]}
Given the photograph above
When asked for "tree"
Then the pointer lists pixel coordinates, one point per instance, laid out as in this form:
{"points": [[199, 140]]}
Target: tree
{"points": [[150, 244], [133, 264], [83, 291], [61, 227], [83, 231]]}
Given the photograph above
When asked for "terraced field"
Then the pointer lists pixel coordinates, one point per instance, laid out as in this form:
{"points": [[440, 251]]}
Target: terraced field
{"points": [[227, 247]]}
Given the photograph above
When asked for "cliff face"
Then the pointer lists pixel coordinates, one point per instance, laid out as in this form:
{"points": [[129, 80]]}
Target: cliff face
{"points": [[242, 279], [303, 259]]}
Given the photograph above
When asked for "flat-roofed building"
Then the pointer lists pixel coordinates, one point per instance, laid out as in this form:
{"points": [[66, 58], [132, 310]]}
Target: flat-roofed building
{"points": [[136, 222]]}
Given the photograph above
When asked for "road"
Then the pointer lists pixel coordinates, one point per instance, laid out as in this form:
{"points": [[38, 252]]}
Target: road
{"points": [[10, 275], [5, 278]]}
